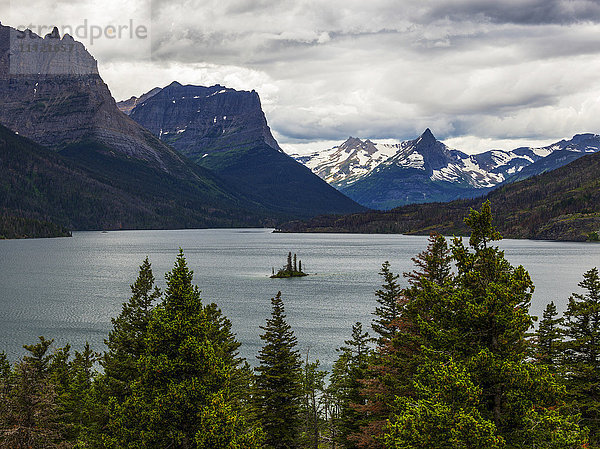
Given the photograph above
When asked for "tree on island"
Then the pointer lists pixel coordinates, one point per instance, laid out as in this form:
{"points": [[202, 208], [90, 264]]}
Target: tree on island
{"points": [[293, 268]]}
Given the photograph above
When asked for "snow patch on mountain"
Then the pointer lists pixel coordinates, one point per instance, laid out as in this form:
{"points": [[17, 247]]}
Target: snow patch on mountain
{"points": [[355, 159]]}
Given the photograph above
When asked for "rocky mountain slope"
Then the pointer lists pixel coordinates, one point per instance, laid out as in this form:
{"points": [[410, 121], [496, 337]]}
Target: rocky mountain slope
{"points": [[383, 176], [58, 100], [226, 131], [560, 205], [127, 106]]}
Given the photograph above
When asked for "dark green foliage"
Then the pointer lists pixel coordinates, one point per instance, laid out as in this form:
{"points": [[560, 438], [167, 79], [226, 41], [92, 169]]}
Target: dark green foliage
{"points": [[5, 368], [474, 386], [313, 388], [79, 410], [88, 186], [549, 337], [346, 384], [24, 228], [582, 352], [278, 386], [388, 298], [185, 376], [28, 406], [560, 205], [126, 342], [396, 360]]}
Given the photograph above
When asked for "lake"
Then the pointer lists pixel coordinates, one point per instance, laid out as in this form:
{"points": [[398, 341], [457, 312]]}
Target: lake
{"points": [[68, 289]]}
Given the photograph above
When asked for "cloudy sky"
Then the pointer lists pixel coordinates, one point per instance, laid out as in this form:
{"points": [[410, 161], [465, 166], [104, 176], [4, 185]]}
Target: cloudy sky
{"points": [[479, 73]]}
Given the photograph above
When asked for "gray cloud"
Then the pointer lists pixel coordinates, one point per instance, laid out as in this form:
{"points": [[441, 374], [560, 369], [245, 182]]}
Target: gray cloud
{"points": [[472, 70], [526, 12]]}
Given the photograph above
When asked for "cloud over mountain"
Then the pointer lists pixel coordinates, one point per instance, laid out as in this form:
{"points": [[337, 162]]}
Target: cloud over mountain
{"points": [[474, 70]]}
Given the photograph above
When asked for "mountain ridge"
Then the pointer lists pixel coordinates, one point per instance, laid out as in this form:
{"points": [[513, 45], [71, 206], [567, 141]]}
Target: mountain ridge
{"points": [[383, 176]]}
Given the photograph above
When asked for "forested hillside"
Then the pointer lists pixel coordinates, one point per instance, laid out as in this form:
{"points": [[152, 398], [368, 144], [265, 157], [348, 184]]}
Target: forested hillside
{"points": [[563, 204], [83, 187]]}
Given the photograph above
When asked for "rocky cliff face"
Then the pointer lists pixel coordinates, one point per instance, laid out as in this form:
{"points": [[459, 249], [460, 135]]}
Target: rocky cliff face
{"points": [[201, 120], [51, 92], [226, 131], [60, 101]]}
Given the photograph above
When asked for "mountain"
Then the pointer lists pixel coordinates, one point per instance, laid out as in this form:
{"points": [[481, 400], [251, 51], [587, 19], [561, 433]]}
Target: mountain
{"points": [[40, 184], [126, 106], [58, 100], [383, 176], [560, 205], [226, 131]]}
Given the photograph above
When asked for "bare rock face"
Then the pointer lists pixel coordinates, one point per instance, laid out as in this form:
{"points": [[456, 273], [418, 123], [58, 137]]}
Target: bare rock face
{"points": [[200, 120], [51, 92], [126, 106], [32, 55]]}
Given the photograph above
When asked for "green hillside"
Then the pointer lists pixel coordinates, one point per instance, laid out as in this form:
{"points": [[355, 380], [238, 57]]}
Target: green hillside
{"points": [[563, 204], [86, 186]]}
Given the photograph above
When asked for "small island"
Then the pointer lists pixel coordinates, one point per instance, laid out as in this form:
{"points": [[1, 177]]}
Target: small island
{"points": [[292, 269]]}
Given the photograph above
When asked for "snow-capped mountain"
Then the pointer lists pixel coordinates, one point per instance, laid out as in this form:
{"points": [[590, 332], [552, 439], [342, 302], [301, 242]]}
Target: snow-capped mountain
{"points": [[383, 176]]}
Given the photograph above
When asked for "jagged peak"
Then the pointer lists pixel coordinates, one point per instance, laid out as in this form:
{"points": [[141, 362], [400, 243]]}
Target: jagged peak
{"points": [[54, 34], [352, 141], [427, 136]]}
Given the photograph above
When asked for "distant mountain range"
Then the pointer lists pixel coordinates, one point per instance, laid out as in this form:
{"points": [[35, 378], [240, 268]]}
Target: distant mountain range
{"points": [[226, 131], [384, 176], [558, 205]]}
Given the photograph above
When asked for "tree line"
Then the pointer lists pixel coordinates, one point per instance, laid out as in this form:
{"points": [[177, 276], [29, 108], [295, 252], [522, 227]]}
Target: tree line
{"points": [[451, 362]]}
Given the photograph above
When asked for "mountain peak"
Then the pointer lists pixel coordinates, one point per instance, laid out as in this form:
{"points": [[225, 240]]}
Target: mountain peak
{"points": [[427, 135], [53, 35]]}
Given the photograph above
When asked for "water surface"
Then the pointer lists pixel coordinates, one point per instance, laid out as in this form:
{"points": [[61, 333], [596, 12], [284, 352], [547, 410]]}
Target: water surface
{"points": [[68, 289]]}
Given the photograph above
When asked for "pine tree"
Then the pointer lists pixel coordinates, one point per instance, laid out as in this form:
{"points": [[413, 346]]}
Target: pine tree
{"points": [[300, 266], [295, 263], [395, 361], [289, 266], [582, 355], [313, 386], [278, 390], [28, 409], [346, 385], [126, 341], [388, 298], [474, 385], [549, 337], [185, 380]]}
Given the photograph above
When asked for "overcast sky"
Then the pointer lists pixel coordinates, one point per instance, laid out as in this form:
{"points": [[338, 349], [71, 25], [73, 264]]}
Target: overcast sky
{"points": [[479, 73]]}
